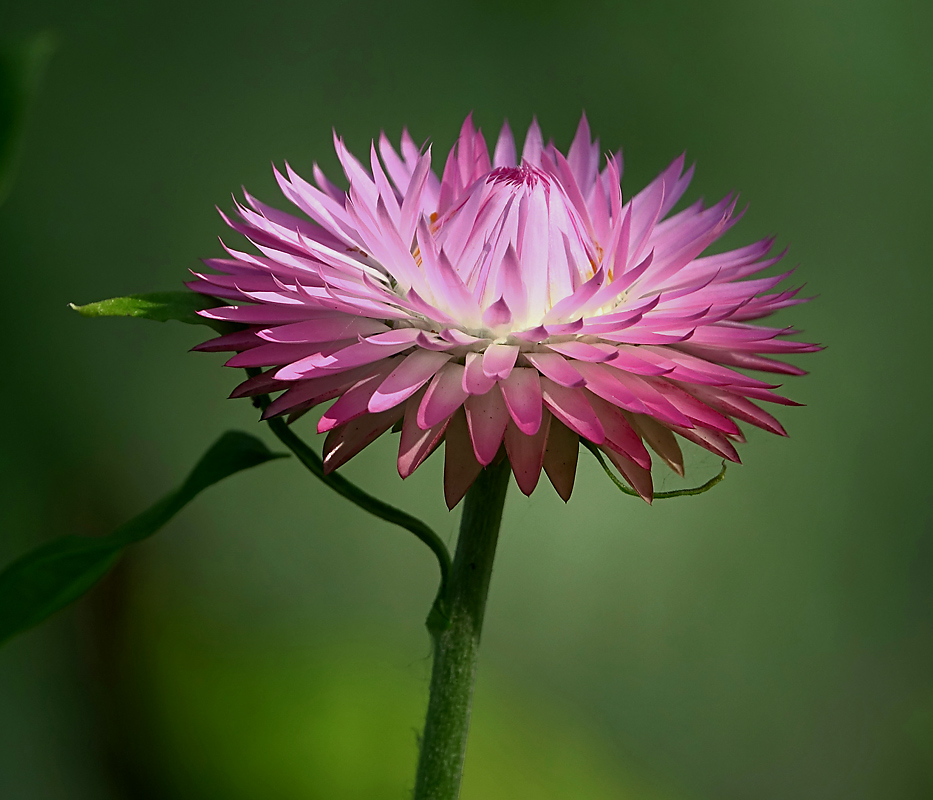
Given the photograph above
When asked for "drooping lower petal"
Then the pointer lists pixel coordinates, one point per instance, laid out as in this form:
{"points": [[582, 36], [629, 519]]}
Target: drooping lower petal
{"points": [[526, 453], [560, 458], [487, 417], [461, 467]]}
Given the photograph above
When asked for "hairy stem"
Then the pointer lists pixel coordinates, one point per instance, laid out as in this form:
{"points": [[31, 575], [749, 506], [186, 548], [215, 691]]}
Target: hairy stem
{"points": [[456, 646]]}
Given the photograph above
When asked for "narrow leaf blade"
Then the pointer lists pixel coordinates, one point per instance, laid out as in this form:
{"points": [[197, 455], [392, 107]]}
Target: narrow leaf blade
{"points": [[159, 306], [50, 577]]}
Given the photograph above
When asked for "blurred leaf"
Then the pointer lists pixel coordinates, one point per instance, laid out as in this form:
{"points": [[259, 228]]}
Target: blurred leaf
{"points": [[54, 575], [161, 307], [21, 67]]}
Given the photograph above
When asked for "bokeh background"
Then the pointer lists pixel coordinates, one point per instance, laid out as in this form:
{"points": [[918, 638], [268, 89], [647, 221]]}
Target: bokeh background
{"points": [[771, 639]]}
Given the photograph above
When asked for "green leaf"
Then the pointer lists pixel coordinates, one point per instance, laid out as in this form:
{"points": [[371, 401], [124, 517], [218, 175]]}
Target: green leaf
{"points": [[21, 67], [657, 495], [161, 307], [50, 577]]}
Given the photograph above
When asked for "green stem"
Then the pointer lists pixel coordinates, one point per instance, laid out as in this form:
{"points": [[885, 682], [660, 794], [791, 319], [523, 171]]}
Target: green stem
{"points": [[367, 502], [456, 646]]}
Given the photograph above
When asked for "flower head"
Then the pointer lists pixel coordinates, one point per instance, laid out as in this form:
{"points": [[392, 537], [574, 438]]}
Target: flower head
{"points": [[512, 306]]}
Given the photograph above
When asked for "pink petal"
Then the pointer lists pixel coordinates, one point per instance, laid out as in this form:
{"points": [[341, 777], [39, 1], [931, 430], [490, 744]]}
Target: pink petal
{"points": [[407, 378], [504, 155], [603, 381], [354, 402], [661, 440], [263, 383], [713, 441], [637, 477], [343, 443], [475, 381], [415, 443], [522, 394], [557, 368], [487, 418], [526, 454], [238, 340], [534, 144], [355, 355], [313, 391], [444, 396], [326, 329], [270, 355], [620, 435], [498, 315], [571, 407], [584, 351], [560, 458], [460, 465], [498, 360]]}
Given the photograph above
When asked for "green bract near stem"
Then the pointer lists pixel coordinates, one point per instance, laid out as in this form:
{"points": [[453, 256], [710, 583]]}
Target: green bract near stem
{"points": [[657, 495], [443, 745]]}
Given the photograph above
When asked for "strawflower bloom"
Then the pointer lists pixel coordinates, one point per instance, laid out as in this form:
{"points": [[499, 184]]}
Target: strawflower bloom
{"points": [[518, 300]]}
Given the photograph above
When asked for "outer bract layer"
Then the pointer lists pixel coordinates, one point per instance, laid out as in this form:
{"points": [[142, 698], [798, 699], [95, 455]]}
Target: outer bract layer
{"points": [[517, 303]]}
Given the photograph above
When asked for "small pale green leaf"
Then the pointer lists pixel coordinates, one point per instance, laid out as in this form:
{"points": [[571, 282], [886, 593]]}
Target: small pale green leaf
{"points": [[50, 577], [21, 67], [161, 307]]}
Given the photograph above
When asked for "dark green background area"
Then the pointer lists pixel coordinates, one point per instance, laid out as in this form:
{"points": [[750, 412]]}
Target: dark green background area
{"points": [[771, 639]]}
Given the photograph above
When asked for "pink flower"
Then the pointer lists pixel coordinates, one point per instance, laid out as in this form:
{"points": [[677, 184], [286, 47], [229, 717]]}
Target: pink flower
{"points": [[516, 301]]}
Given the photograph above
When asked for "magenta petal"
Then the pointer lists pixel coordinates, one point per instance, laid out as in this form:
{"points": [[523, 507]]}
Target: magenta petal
{"points": [[661, 439], [713, 441], [602, 381], [407, 378], [313, 391], [557, 368], [238, 340], [460, 465], [475, 381], [620, 435], [327, 329], [497, 315], [585, 351], [356, 355], [526, 454], [571, 407], [637, 477], [264, 383], [560, 458], [416, 444], [522, 394], [268, 355], [487, 418], [498, 360], [354, 402], [343, 443], [444, 396]]}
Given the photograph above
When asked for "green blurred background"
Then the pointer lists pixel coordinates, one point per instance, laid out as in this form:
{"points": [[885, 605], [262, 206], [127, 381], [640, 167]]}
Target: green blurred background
{"points": [[771, 639]]}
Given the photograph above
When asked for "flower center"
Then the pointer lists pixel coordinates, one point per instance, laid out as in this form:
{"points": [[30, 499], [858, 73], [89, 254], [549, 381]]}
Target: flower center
{"points": [[525, 175]]}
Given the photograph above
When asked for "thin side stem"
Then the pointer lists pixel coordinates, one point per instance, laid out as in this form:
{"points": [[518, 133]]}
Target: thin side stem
{"points": [[364, 500], [456, 646]]}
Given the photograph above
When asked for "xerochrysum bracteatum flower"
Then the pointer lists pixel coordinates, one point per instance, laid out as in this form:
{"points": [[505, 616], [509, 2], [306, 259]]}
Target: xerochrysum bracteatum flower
{"points": [[507, 309]]}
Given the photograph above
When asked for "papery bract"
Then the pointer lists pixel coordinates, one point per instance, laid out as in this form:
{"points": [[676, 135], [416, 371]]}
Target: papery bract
{"points": [[517, 303]]}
